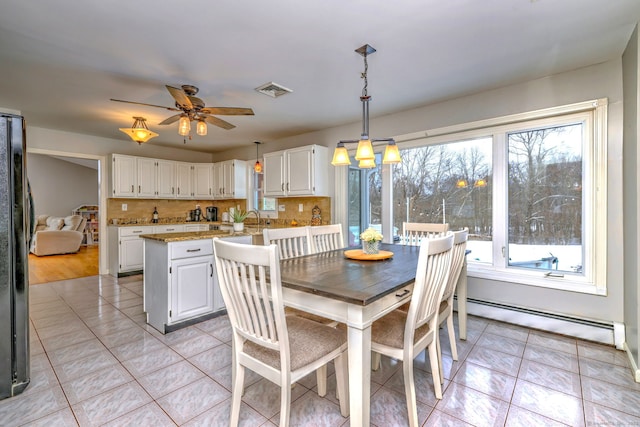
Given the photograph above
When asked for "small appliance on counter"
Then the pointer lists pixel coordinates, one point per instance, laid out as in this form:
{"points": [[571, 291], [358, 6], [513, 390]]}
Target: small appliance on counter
{"points": [[197, 213], [212, 213]]}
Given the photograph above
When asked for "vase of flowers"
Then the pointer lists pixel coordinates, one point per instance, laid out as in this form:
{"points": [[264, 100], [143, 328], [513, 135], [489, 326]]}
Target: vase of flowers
{"points": [[370, 241], [238, 216]]}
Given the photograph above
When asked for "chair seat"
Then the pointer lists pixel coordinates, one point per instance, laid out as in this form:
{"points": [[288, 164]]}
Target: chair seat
{"points": [[308, 342], [389, 330]]}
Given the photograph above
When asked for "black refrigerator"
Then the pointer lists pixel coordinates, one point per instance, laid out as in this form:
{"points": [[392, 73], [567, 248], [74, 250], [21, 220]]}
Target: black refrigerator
{"points": [[15, 221]]}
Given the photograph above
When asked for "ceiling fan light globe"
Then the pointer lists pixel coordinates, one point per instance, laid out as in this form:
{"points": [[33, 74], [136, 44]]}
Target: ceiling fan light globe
{"points": [[365, 150], [184, 127], [201, 128]]}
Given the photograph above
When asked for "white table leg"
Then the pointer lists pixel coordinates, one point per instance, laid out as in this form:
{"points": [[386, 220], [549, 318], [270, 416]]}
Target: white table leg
{"points": [[461, 291], [359, 375]]}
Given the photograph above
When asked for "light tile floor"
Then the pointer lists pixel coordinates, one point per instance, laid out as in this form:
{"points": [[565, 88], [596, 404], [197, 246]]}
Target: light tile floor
{"points": [[95, 362]]}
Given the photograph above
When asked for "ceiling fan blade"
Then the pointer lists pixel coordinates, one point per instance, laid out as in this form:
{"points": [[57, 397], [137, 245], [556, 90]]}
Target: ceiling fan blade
{"points": [[181, 98], [170, 120], [219, 122], [148, 105], [228, 111]]}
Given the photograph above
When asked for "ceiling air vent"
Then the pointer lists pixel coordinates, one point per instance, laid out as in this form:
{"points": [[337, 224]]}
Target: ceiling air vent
{"points": [[273, 90]]}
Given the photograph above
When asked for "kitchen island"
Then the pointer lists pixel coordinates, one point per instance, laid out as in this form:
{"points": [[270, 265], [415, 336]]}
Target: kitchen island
{"points": [[180, 283]]}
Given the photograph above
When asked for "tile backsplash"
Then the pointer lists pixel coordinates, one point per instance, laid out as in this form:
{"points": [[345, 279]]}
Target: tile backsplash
{"points": [[172, 210]]}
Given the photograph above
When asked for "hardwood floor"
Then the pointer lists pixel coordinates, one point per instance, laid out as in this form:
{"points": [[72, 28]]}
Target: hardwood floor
{"points": [[52, 268]]}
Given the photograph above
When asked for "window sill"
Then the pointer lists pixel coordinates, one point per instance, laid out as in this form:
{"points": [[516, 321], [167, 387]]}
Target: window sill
{"points": [[568, 283]]}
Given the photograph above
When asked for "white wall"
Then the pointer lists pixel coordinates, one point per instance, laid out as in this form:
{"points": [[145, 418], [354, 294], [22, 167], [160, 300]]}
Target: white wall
{"points": [[58, 186], [631, 73]]}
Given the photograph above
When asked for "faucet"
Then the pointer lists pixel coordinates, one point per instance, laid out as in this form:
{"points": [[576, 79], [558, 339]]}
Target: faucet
{"points": [[257, 214]]}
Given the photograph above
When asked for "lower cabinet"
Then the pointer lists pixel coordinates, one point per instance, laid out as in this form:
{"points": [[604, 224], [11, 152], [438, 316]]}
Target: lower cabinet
{"points": [[126, 251], [180, 283]]}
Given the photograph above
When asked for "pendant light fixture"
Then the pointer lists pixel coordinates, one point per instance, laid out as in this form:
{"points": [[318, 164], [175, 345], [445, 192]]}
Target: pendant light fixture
{"points": [[257, 168], [364, 153], [139, 132]]}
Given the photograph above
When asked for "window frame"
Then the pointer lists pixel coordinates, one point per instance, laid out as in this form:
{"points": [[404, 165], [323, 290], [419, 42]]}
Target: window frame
{"points": [[594, 113]]}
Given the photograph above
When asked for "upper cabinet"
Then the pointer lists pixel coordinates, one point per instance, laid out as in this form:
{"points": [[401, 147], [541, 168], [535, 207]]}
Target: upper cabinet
{"points": [[183, 180], [146, 178], [202, 183], [230, 179], [124, 176], [297, 172]]}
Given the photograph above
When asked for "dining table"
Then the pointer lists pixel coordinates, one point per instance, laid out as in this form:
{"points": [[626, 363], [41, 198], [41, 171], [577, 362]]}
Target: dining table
{"points": [[355, 292]]}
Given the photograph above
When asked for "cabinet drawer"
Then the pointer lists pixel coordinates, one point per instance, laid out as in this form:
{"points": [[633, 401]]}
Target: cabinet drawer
{"points": [[168, 228], [135, 231], [191, 249]]}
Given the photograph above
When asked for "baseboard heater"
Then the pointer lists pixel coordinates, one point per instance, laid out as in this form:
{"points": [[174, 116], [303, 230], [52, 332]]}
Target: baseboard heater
{"points": [[591, 330]]}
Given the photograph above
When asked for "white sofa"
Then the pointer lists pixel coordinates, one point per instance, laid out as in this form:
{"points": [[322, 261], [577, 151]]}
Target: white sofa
{"points": [[56, 235]]}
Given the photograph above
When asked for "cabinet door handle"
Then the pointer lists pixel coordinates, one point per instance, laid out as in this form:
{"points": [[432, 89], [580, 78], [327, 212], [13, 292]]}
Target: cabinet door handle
{"points": [[173, 190], [139, 187], [287, 186], [132, 188], [211, 266], [282, 186], [193, 250]]}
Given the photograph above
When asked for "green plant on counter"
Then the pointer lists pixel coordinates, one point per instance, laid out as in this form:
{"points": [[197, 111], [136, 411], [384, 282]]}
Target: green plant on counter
{"points": [[239, 215]]}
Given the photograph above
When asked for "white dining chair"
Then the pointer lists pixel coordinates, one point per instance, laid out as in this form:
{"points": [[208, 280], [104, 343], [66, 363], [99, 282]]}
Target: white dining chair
{"points": [[326, 238], [282, 349], [414, 232], [445, 312], [404, 335], [292, 242]]}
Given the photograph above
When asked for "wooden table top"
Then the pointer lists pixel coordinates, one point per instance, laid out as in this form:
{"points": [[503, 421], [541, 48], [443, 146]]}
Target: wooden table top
{"points": [[332, 275]]}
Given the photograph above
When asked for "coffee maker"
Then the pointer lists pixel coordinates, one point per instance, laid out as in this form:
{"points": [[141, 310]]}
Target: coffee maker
{"points": [[212, 213]]}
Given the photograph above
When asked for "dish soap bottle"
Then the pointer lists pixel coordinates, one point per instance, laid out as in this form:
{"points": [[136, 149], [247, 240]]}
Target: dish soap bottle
{"points": [[155, 215]]}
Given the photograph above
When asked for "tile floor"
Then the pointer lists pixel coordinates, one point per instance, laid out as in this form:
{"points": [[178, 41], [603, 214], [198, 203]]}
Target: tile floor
{"points": [[95, 362]]}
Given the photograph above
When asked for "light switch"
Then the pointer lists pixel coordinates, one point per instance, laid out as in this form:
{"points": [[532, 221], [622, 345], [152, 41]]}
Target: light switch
{"points": [[300, 207], [124, 206], [281, 208]]}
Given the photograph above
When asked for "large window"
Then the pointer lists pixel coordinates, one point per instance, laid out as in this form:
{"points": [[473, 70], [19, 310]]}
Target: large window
{"points": [[531, 188]]}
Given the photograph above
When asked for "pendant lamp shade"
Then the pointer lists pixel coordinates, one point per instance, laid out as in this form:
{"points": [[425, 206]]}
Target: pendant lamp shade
{"points": [[139, 132]]}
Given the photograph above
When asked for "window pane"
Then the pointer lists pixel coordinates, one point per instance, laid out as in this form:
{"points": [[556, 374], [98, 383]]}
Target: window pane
{"points": [[545, 198], [365, 199], [259, 201], [448, 183]]}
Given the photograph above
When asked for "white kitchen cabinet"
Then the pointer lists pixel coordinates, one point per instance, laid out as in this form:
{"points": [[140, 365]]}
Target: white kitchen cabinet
{"points": [[126, 250], [124, 179], [202, 174], [165, 179], [146, 171], [180, 283], [297, 172], [183, 180], [230, 179]]}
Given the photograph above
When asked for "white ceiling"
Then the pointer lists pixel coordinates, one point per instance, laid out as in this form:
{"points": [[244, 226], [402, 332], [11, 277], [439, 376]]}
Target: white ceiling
{"points": [[61, 61]]}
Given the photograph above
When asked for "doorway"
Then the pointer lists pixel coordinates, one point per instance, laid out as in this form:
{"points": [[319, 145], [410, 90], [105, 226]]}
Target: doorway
{"points": [[62, 183]]}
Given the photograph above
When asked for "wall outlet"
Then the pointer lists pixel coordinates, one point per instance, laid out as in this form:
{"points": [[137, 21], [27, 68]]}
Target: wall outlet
{"points": [[281, 208], [300, 207], [124, 207]]}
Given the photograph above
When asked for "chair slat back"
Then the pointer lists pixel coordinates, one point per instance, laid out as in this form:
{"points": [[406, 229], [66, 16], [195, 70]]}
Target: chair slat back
{"points": [[457, 260], [414, 232], [432, 274], [326, 238], [249, 278], [291, 242]]}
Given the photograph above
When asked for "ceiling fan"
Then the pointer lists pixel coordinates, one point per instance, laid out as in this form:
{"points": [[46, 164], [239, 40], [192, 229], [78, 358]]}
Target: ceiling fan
{"points": [[192, 108]]}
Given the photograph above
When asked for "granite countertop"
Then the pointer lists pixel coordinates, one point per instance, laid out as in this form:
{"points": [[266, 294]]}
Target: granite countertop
{"points": [[198, 235], [218, 223]]}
